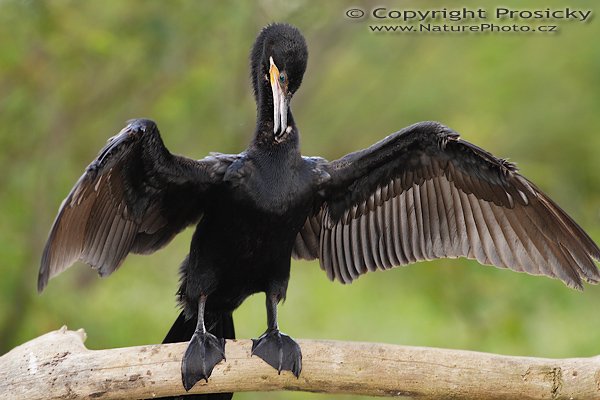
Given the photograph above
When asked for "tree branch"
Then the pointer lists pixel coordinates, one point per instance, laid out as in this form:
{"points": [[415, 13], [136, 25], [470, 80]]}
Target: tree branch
{"points": [[57, 365]]}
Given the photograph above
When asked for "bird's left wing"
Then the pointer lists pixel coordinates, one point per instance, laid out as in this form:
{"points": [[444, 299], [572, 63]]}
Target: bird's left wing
{"points": [[423, 193], [135, 197]]}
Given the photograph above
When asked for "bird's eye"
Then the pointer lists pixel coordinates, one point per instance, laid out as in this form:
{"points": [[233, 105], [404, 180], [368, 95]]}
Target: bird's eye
{"points": [[282, 78]]}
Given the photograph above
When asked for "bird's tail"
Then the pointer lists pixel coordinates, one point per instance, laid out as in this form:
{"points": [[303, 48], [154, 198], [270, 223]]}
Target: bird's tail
{"points": [[220, 325]]}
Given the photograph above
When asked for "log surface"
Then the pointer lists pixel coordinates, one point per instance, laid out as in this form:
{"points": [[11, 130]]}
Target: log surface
{"points": [[57, 365]]}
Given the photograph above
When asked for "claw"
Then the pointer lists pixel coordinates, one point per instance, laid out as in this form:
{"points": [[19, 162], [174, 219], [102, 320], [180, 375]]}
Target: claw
{"points": [[203, 353], [279, 351]]}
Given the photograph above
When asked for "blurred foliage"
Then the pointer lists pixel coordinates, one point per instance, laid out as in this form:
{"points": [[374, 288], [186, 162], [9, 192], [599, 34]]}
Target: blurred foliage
{"points": [[71, 73]]}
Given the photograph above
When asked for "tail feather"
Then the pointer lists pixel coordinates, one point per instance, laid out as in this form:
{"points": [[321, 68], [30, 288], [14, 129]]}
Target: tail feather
{"points": [[220, 325], [181, 330]]}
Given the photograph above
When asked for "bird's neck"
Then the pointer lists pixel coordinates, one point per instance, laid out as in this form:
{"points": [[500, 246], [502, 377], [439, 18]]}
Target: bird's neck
{"points": [[265, 142]]}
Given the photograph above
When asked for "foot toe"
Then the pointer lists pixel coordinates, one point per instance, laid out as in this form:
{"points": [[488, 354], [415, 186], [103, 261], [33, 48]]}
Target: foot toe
{"points": [[203, 353], [279, 351]]}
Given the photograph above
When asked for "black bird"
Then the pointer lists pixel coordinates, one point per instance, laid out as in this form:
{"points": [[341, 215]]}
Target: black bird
{"points": [[419, 194]]}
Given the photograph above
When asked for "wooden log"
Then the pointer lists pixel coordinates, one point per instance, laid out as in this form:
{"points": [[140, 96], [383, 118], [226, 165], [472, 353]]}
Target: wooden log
{"points": [[57, 365]]}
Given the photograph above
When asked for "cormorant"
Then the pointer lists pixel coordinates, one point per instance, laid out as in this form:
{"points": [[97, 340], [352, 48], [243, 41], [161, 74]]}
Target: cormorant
{"points": [[419, 194]]}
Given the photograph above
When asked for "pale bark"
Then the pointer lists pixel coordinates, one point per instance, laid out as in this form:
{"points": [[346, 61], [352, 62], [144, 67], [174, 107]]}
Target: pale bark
{"points": [[57, 365]]}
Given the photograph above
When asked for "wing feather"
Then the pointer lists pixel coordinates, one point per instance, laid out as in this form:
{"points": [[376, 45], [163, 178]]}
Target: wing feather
{"points": [[388, 230], [423, 193], [134, 197], [396, 234]]}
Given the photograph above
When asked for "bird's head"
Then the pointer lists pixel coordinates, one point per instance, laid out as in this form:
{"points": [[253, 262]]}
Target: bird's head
{"points": [[278, 62]]}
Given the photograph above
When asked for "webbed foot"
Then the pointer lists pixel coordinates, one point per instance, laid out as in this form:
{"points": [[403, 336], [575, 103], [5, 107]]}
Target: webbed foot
{"points": [[279, 351], [203, 353]]}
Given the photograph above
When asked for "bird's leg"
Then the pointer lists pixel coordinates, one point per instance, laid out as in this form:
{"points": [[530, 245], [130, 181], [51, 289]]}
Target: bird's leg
{"points": [[204, 351], [277, 349]]}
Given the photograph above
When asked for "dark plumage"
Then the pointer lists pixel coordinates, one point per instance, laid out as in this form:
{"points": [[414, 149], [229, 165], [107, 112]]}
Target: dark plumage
{"points": [[421, 193]]}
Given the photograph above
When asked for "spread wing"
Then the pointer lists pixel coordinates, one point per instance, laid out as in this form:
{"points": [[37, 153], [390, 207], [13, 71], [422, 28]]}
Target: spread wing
{"points": [[423, 193], [135, 197]]}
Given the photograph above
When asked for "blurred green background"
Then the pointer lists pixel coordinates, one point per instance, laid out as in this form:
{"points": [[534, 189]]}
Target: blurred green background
{"points": [[71, 73]]}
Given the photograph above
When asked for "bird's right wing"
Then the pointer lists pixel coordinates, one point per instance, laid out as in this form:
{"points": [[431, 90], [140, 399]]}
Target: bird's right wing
{"points": [[135, 197]]}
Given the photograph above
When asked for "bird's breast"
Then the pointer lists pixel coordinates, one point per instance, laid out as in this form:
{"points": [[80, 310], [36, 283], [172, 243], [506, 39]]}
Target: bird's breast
{"points": [[278, 189]]}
